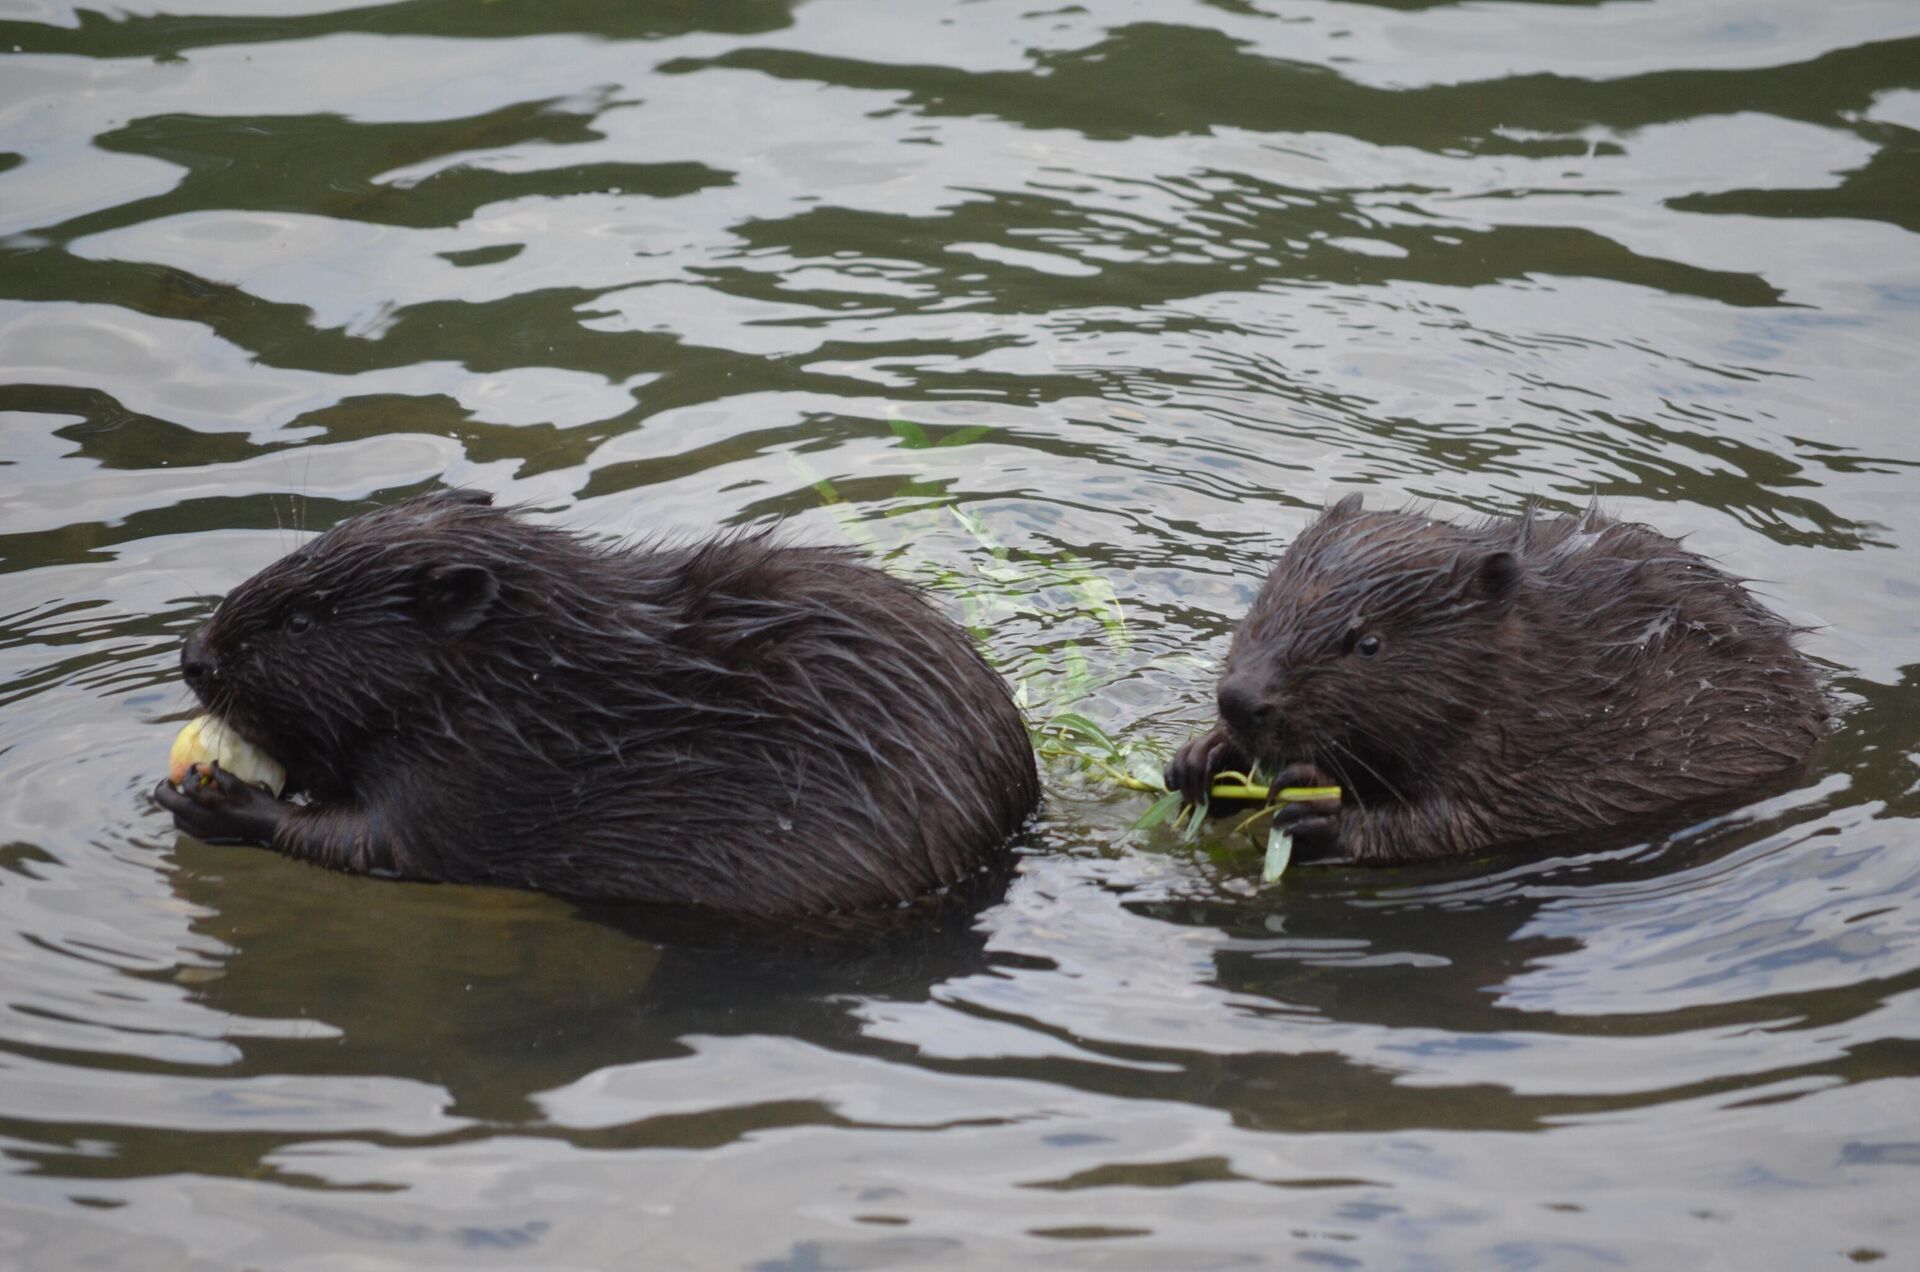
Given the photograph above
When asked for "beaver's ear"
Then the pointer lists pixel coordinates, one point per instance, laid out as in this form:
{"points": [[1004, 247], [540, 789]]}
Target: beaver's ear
{"points": [[1347, 507], [454, 599], [1497, 579]]}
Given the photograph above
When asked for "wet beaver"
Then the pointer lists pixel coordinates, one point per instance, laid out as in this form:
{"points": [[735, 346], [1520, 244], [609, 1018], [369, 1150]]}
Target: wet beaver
{"points": [[1470, 686], [466, 696]]}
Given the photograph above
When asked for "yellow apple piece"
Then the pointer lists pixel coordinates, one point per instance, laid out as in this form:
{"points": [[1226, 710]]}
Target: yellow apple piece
{"points": [[207, 740]]}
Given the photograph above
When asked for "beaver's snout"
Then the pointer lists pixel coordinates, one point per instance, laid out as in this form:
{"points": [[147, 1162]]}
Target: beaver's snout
{"points": [[1246, 708], [198, 666]]}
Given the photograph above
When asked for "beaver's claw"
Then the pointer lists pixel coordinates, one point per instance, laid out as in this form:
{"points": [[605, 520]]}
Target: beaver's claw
{"points": [[215, 806], [1313, 825], [1200, 760]]}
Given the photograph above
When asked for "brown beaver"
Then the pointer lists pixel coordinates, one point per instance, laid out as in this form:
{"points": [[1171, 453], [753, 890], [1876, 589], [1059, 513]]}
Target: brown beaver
{"points": [[466, 696], [1470, 686]]}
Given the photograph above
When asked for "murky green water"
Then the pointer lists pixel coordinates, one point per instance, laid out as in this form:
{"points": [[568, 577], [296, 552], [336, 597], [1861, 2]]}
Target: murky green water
{"points": [[1162, 278]]}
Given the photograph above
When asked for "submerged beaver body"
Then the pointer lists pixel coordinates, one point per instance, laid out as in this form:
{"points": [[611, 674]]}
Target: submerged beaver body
{"points": [[468, 697], [1471, 686]]}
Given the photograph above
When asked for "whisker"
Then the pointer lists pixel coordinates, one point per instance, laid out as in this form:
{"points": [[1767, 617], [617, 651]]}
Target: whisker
{"points": [[1392, 791]]}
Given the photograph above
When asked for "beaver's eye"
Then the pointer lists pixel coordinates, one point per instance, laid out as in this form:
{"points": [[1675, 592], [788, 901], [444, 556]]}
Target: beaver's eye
{"points": [[298, 621], [1367, 646]]}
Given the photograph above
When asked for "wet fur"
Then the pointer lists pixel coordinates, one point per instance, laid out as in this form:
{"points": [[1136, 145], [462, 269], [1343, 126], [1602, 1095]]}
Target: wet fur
{"points": [[738, 724], [1536, 676]]}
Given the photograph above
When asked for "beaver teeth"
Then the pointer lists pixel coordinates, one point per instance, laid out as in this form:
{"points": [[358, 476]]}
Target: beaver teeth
{"points": [[208, 740]]}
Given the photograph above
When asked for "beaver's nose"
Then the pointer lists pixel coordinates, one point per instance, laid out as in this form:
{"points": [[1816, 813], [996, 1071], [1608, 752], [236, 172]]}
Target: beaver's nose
{"points": [[198, 665], [1243, 707]]}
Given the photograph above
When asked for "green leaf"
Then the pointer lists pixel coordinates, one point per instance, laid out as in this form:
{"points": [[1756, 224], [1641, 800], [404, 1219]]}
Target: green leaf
{"points": [[911, 435], [1144, 766], [1195, 823], [1080, 726], [977, 527], [1279, 853], [1161, 809], [960, 437]]}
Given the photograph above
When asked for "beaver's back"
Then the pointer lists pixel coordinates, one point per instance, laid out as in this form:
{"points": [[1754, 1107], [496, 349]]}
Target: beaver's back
{"points": [[1664, 677], [813, 737]]}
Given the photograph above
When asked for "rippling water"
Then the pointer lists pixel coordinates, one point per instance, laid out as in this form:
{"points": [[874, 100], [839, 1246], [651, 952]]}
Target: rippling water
{"points": [[1135, 288]]}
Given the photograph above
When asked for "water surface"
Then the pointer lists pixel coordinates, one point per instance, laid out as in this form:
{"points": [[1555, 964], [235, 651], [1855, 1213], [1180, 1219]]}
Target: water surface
{"points": [[1131, 288]]}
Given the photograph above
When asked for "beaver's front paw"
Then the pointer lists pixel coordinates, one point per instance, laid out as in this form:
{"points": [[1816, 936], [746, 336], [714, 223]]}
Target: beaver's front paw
{"points": [[1313, 825], [1200, 760], [214, 805]]}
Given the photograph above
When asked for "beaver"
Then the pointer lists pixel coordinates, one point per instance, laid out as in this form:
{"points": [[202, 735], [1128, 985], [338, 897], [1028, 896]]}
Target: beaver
{"points": [[1470, 686], [466, 696]]}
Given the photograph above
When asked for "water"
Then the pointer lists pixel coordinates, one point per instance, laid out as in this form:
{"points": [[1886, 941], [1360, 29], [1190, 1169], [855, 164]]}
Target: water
{"points": [[1163, 278]]}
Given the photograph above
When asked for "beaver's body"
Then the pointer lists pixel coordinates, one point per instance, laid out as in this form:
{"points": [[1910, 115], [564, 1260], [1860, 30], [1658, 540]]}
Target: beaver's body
{"points": [[467, 696], [1470, 686]]}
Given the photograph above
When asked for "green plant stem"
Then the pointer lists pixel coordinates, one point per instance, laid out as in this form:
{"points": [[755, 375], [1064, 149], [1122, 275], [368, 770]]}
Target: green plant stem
{"points": [[1228, 785], [1230, 790]]}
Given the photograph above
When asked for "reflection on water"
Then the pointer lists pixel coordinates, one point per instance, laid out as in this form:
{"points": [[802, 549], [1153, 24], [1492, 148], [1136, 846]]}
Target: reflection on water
{"points": [[1136, 289]]}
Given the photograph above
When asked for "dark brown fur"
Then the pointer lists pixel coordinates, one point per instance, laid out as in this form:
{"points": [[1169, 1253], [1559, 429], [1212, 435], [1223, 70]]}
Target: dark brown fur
{"points": [[467, 696], [1531, 676]]}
